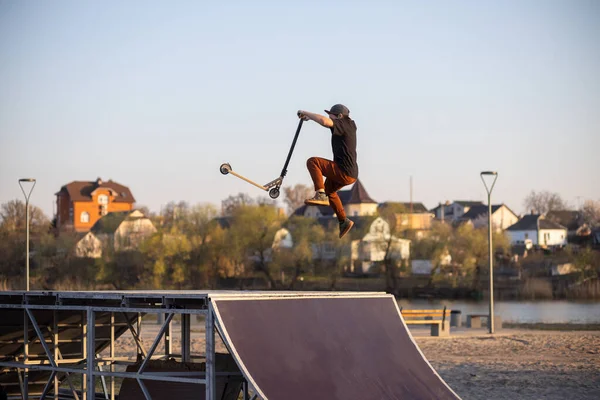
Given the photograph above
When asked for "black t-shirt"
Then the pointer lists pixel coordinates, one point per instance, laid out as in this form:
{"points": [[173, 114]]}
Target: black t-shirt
{"points": [[343, 143]]}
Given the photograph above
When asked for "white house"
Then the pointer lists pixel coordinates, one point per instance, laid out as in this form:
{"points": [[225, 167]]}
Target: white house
{"points": [[453, 211], [502, 216], [370, 238], [538, 231], [124, 230]]}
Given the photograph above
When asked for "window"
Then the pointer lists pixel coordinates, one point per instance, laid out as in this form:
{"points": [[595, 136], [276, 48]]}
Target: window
{"points": [[85, 217], [103, 199], [527, 236]]}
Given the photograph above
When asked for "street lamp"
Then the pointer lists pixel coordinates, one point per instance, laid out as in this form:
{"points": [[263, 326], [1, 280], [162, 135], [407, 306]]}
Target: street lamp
{"points": [[489, 192], [30, 180]]}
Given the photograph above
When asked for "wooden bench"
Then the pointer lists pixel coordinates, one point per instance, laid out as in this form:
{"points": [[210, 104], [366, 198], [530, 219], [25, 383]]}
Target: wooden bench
{"points": [[440, 326], [474, 320]]}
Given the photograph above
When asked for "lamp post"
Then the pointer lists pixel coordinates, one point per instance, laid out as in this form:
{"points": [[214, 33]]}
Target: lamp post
{"points": [[30, 180], [491, 252]]}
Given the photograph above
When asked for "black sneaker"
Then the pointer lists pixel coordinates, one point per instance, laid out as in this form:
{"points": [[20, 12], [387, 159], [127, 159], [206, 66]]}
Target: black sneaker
{"points": [[345, 227], [319, 199]]}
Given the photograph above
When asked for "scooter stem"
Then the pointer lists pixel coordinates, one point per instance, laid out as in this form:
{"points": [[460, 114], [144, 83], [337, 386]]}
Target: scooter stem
{"points": [[289, 156]]}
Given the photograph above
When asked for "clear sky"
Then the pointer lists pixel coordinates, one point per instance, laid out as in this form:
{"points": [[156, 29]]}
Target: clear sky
{"points": [[157, 94]]}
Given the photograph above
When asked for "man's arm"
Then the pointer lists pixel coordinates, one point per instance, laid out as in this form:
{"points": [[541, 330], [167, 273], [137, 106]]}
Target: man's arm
{"points": [[320, 119]]}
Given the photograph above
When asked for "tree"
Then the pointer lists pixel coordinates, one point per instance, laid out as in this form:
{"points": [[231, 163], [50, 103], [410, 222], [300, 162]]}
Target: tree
{"points": [[392, 214], [13, 239], [341, 250], [174, 214], [166, 260], [469, 249], [13, 217], [253, 230], [295, 196], [542, 202], [232, 203], [591, 212], [306, 233]]}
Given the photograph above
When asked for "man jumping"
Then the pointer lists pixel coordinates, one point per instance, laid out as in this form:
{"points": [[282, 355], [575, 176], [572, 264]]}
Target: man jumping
{"points": [[343, 170]]}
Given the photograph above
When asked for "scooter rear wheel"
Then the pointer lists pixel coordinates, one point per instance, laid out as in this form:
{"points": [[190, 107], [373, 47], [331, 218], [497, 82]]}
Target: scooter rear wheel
{"points": [[274, 193], [225, 168]]}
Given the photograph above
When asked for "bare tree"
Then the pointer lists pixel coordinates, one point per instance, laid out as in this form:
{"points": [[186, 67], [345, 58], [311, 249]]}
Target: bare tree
{"points": [[295, 196], [542, 202], [12, 217], [591, 212], [232, 203]]}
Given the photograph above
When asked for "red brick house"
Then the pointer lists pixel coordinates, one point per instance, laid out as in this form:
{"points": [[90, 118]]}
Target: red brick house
{"points": [[80, 204]]}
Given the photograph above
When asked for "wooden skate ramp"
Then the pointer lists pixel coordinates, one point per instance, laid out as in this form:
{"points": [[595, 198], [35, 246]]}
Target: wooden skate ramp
{"points": [[298, 348]]}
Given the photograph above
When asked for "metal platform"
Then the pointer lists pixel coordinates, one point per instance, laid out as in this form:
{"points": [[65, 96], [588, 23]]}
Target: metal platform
{"points": [[61, 345]]}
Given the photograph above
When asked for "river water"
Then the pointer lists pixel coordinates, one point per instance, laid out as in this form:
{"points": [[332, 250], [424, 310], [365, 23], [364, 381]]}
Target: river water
{"points": [[555, 311]]}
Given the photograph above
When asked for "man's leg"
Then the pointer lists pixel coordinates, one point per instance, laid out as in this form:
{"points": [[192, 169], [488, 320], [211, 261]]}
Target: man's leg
{"points": [[332, 185], [319, 167]]}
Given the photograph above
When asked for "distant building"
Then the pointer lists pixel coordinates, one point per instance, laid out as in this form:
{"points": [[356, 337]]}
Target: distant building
{"points": [[356, 202], [120, 231], [415, 218], [451, 212], [370, 238], [80, 204], [502, 216], [536, 230], [572, 220]]}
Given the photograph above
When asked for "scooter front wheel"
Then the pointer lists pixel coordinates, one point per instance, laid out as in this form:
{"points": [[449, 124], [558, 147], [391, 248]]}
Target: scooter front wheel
{"points": [[274, 193], [225, 168]]}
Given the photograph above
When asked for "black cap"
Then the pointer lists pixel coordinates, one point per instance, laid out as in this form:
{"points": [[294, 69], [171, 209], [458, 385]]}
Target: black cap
{"points": [[339, 109]]}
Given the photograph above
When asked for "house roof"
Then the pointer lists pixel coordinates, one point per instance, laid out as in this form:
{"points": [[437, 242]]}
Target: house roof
{"points": [[224, 222], [417, 207], [82, 190], [547, 224], [533, 222], [324, 210], [110, 222], [356, 195], [569, 218], [468, 203], [479, 210]]}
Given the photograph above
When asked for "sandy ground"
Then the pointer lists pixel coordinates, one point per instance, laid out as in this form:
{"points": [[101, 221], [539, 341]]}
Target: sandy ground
{"points": [[518, 365], [512, 364]]}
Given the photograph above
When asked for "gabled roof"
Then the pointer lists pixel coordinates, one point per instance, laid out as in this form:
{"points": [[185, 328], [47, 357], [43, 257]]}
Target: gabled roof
{"points": [[356, 195], [534, 222], [569, 218], [417, 207], [482, 210], [82, 190], [110, 222], [527, 223], [547, 224]]}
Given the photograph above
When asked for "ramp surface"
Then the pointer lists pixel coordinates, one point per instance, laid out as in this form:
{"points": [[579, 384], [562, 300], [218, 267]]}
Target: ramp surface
{"points": [[327, 348]]}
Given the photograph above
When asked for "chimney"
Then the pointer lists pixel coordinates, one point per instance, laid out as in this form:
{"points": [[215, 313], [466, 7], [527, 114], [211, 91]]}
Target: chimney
{"points": [[99, 181]]}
